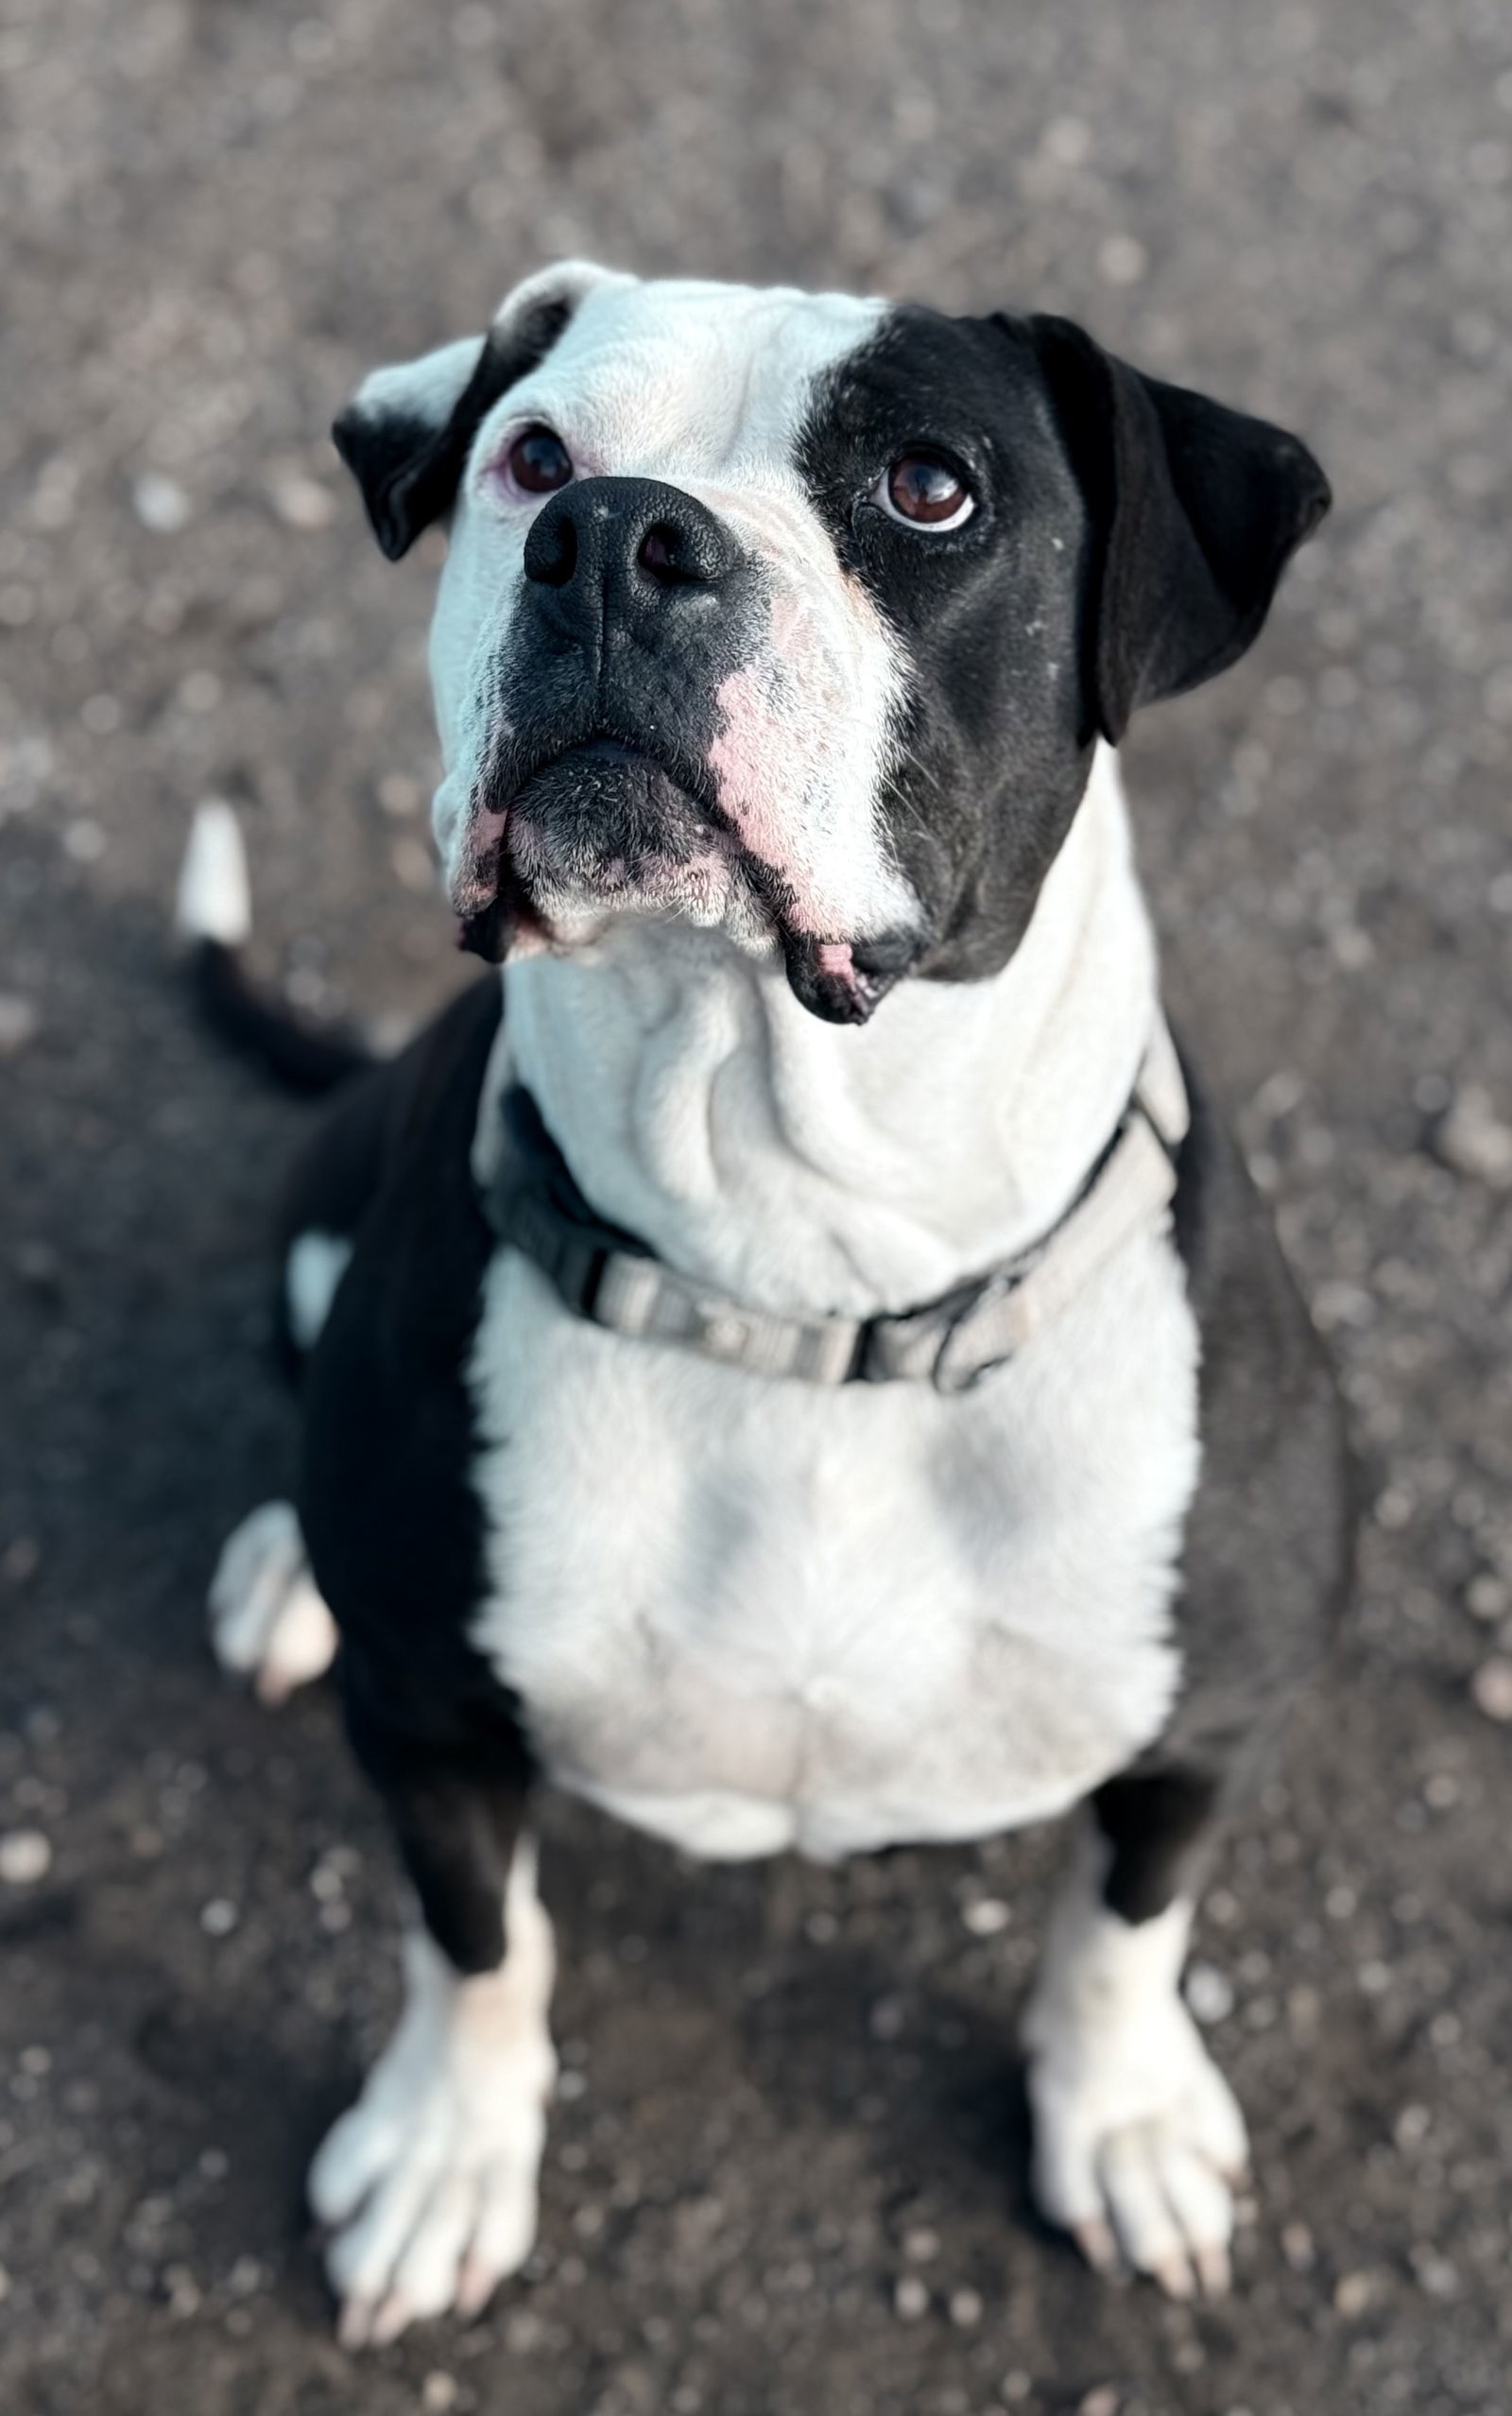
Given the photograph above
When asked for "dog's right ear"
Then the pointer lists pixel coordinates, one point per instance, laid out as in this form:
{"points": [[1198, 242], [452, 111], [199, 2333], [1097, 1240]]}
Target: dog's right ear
{"points": [[408, 431]]}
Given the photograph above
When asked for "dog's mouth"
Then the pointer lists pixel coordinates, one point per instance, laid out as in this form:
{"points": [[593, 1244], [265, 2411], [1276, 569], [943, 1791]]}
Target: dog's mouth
{"points": [[562, 844]]}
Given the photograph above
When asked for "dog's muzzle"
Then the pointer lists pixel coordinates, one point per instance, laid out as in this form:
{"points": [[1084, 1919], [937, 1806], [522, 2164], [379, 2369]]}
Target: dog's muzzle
{"points": [[638, 604]]}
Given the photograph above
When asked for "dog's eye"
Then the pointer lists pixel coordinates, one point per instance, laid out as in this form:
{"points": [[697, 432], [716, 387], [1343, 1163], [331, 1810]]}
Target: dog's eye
{"points": [[539, 462], [925, 489]]}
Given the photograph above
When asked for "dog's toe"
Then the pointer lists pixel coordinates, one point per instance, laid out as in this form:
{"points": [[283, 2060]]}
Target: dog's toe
{"points": [[428, 2183], [1136, 2157]]}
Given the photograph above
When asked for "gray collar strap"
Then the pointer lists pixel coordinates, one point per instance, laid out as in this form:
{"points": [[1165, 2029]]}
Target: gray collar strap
{"points": [[609, 1277]]}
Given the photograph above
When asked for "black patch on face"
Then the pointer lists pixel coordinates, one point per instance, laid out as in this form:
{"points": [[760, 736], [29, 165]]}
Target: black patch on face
{"points": [[992, 754], [1126, 541]]}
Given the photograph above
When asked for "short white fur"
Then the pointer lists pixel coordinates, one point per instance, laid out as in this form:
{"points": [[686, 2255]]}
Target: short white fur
{"points": [[1138, 2140], [428, 2183], [745, 1615]]}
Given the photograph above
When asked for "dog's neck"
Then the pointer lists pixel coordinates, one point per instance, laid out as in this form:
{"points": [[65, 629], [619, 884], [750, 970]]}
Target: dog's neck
{"points": [[805, 1167]]}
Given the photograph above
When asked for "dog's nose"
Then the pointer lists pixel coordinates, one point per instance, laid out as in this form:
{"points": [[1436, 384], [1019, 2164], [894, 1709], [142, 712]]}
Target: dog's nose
{"points": [[627, 550]]}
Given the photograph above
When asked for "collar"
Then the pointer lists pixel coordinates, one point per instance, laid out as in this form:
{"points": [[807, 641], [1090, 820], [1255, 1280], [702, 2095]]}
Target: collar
{"points": [[609, 1277]]}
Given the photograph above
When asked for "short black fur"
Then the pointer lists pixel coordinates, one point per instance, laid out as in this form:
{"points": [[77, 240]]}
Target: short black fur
{"points": [[1268, 1543], [1126, 543], [391, 1522]]}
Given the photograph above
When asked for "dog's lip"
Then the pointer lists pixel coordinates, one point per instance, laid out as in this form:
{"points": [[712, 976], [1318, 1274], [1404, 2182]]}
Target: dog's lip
{"points": [[509, 781], [838, 978]]}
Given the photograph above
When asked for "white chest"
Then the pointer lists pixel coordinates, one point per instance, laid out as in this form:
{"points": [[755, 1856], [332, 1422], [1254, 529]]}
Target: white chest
{"points": [[747, 1616]]}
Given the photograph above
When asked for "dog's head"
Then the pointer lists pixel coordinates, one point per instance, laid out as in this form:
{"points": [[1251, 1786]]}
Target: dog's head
{"points": [[801, 614]]}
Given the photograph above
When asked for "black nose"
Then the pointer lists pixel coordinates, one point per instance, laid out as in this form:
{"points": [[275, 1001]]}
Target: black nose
{"points": [[627, 551]]}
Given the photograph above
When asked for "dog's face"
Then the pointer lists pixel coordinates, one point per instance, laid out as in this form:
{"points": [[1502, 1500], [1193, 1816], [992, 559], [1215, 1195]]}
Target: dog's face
{"points": [[801, 614]]}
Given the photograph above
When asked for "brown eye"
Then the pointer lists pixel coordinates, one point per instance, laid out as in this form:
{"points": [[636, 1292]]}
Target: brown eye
{"points": [[925, 491], [539, 462]]}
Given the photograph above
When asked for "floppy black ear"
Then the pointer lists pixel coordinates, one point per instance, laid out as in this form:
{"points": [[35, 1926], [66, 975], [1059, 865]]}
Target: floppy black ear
{"points": [[1195, 512], [404, 436], [408, 431]]}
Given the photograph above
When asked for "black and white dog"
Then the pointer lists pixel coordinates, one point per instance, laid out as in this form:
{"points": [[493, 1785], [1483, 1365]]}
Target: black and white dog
{"points": [[797, 1360]]}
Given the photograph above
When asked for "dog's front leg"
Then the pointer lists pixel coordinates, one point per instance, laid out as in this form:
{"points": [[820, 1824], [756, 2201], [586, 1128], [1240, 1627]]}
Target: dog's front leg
{"points": [[1137, 2141], [429, 2182]]}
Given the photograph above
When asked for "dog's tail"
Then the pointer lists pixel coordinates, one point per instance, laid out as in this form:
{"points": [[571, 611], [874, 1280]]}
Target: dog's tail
{"points": [[214, 919]]}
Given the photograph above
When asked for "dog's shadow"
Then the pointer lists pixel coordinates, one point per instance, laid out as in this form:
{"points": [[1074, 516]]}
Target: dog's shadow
{"points": [[848, 2004]]}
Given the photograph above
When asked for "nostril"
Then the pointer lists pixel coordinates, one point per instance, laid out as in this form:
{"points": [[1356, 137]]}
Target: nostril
{"points": [[550, 549], [660, 553]]}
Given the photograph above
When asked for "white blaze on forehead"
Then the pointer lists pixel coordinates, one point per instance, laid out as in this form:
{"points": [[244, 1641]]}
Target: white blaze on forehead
{"points": [[685, 381], [706, 389]]}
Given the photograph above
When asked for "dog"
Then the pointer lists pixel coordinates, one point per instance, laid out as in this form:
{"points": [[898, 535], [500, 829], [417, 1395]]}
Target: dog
{"points": [[796, 1359]]}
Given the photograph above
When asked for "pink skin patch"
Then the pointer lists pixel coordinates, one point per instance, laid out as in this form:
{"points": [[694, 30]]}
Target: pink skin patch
{"points": [[782, 757], [476, 879], [750, 760]]}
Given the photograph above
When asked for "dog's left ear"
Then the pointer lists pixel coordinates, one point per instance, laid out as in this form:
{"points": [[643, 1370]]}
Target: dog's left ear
{"points": [[408, 431], [1194, 511]]}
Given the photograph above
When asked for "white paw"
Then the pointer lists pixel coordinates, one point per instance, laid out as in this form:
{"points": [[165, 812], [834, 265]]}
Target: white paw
{"points": [[1137, 2146], [266, 1619], [429, 2182]]}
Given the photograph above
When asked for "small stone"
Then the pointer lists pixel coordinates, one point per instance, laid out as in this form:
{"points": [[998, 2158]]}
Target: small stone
{"points": [[921, 2244], [1123, 260], [414, 865], [1473, 1140], [161, 503], [219, 1917], [83, 840], [1102, 2401], [910, 2298], [439, 2393], [986, 1915], [1068, 141], [18, 1023], [200, 690], [399, 795], [965, 2308], [20, 1560], [1354, 2292], [183, 2292], [1435, 2272], [1016, 2385], [26, 1856], [1486, 1597], [1492, 1687], [1210, 1994], [1297, 2248], [302, 502]]}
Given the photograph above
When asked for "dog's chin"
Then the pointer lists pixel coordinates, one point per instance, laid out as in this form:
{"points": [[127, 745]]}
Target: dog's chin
{"points": [[603, 833]]}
